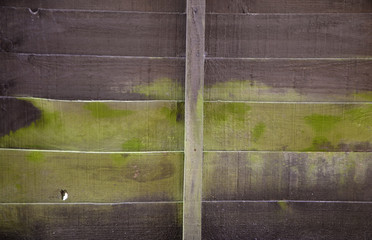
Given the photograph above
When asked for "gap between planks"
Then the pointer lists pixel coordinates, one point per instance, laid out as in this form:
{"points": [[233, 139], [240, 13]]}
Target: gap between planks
{"points": [[92, 11], [287, 201], [83, 152], [93, 203]]}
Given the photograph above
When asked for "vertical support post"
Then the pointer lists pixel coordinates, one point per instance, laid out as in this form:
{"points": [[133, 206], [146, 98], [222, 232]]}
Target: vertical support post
{"points": [[192, 192]]}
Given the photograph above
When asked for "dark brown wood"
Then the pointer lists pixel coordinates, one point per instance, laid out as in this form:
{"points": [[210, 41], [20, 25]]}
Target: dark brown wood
{"points": [[287, 175], [293, 35], [286, 220], [289, 6], [288, 79], [194, 83], [111, 5], [39, 176], [106, 221], [92, 33], [88, 77]]}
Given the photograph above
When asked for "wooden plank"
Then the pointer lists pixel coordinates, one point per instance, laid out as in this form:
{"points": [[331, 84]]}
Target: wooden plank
{"points": [[88, 77], [289, 6], [288, 80], [195, 38], [286, 220], [64, 221], [92, 32], [35, 176], [292, 35], [110, 5], [91, 126], [288, 126], [287, 175]]}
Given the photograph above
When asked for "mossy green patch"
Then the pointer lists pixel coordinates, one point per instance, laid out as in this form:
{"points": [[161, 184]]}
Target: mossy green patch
{"points": [[101, 110], [36, 157], [322, 123], [320, 144], [162, 88], [101, 126], [283, 205], [119, 159], [258, 130], [134, 144], [364, 96], [222, 112]]}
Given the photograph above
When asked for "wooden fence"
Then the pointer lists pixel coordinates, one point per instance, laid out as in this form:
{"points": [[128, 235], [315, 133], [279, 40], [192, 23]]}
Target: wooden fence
{"points": [[224, 119]]}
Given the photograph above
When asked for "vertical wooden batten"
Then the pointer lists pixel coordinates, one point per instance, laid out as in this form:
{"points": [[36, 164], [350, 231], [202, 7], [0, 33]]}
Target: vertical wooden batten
{"points": [[195, 38]]}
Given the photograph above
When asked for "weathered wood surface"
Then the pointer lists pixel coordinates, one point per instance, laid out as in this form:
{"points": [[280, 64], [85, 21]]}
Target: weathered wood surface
{"points": [[287, 175], [294, 35], [288, 80], [110, 5], [288, 126], [194, 83], [289, 6], [119, 221], [34, 176], [88, 77], [92, 33], [283, 220], [91, 126]]}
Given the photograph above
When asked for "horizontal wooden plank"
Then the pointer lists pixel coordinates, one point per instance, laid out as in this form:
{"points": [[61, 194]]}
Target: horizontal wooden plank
{"points": [[91, 126], [289, 6], [87, 77], [288, 126], [34, 176], [287, 175], [92, 33], [283, 220], [294, 35], [288, 80], [111, 5], [123, 221]]}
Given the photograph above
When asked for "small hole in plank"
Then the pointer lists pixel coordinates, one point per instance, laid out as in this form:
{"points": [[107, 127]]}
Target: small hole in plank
{"points": [[33, 11]]}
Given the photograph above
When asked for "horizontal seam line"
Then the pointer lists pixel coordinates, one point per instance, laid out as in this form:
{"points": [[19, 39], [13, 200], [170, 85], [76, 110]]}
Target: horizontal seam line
{"points": [[289, 201], [288, 102], [89, 55], [92, 203], [92, 10], [286, 58], [83, 101], [92, 152], [290, 14]]}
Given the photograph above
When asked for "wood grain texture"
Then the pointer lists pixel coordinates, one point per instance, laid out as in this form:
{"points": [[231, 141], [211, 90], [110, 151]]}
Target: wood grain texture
{"points": [[294, 36], [92, 126], [194, 83], [92, 33], [110, 5], [87, 77], [287, 175], [34, 176], [122, 221], [289, 6], [283, 220], [288, 80], [288, 126]]}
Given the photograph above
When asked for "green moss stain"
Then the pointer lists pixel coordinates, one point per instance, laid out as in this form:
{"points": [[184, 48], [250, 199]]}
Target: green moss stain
{"points": [[36, 157], [119, 159], [134, 144], [98, 126], [101, 110], [363, 96], [162, 88], [283, 205], [258, 130], [222, 112], [249, 90], [321, 123]]}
